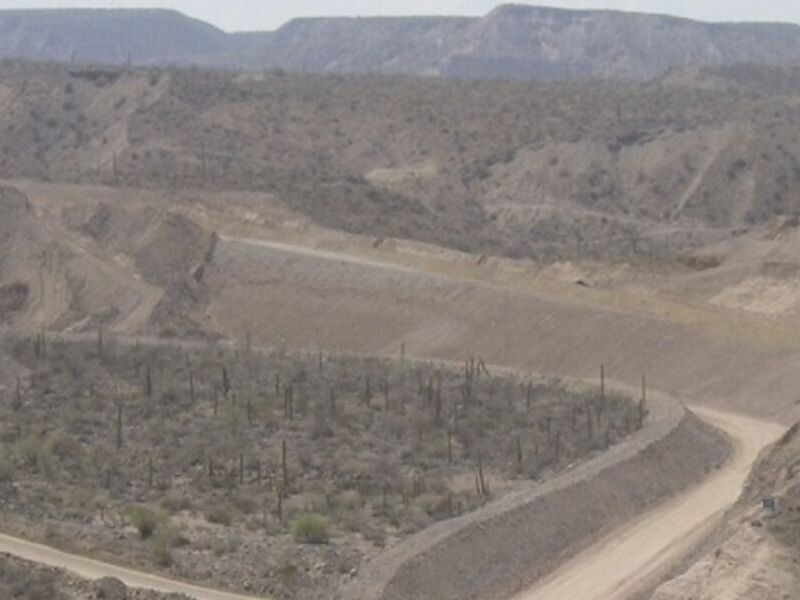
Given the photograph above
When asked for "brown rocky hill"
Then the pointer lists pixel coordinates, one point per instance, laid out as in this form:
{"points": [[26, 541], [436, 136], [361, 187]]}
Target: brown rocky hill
{"points": [[512, 41], [512, 168]]}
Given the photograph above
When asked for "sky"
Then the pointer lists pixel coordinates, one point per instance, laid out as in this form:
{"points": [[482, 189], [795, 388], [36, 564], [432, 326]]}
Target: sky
{"points": [[241, 15]]}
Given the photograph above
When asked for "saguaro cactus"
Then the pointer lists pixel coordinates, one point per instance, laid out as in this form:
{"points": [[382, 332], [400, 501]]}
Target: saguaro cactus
{"points": [[226, 382], [450, 447], [284, 466], [119, 426]]}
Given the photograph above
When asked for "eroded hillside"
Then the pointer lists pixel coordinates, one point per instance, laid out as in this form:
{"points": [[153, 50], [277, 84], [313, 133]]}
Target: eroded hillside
{"points": [[512, 169]]}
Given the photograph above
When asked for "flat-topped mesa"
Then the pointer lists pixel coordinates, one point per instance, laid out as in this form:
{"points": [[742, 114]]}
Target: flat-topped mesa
{"points": [[512, 41]]}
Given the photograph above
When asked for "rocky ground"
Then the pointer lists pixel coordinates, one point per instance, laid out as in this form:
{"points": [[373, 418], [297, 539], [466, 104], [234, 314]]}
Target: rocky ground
{"points": [[23, 580]]}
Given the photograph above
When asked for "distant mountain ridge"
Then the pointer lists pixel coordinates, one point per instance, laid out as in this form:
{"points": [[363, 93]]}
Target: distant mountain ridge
{"points": [[513, 41]]}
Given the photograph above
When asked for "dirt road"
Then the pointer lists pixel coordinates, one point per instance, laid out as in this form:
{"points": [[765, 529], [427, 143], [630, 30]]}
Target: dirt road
{"points": [[638, 555], [91, 569]]}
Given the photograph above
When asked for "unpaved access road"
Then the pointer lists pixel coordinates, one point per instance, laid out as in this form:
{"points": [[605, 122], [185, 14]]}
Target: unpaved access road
{"points": [[641, 553], [624, 562], [90, 569]]}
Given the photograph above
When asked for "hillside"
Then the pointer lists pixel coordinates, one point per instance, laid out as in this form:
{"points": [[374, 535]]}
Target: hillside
{"points": [[526, 42], [116, 37], [512, 41], [515, 169]]}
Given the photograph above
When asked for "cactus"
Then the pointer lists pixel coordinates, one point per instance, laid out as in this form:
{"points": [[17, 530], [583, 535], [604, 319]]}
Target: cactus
{"points": [[602, 389], [284, 466], [119, 426], [288, 402], [437, 410], [481, 481], [203, 161], [450, 447], [226, 382], [367, 391]]}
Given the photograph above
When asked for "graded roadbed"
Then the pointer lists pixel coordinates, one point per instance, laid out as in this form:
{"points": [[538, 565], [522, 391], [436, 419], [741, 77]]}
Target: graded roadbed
{"points": [[499, 550]]}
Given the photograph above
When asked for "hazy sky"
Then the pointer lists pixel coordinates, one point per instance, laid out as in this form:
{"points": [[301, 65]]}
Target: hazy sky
{"points": [[269, 14]]}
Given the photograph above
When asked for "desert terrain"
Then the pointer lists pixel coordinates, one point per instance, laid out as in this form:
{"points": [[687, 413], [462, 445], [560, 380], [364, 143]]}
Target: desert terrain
{"points": [[310, 336]]}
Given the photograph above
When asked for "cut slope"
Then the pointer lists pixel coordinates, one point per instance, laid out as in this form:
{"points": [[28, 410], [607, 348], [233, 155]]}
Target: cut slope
{"points": [[528, 534]]}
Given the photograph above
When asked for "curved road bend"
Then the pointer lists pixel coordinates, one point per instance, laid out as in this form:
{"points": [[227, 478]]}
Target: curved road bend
{"points": [[641, 553]]}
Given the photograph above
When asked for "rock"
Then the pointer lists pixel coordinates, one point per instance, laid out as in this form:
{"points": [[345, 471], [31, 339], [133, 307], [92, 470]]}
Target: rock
{"points": [[109, 588]]}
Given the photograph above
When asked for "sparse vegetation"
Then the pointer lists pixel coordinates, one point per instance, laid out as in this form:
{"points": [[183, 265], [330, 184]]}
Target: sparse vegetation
{"points": [[146, 520], [260, 448], [310, 528], [492, 152]]}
